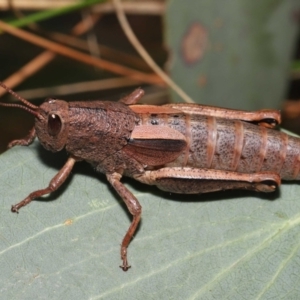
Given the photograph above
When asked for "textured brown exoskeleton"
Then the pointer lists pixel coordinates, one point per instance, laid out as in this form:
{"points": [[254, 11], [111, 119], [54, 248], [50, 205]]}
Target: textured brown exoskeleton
{"points": [[181, 148]]}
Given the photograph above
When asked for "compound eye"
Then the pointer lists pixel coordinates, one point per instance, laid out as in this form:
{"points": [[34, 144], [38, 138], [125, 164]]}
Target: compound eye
{"points": [[54, 124]]}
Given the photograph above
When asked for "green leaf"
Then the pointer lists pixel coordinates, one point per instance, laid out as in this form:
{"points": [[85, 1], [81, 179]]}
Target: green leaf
{"points": [[218, 246], [236, 54]]}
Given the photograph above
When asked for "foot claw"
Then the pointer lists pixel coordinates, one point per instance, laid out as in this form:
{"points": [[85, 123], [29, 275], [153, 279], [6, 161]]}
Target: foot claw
{"points": [[125, 267], [14, 209]]}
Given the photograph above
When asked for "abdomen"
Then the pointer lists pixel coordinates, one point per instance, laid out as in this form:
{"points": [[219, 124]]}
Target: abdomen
{"points": [[232, 145]]}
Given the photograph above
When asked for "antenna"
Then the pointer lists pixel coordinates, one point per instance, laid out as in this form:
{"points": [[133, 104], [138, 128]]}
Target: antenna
{"points": [[31, 108]]}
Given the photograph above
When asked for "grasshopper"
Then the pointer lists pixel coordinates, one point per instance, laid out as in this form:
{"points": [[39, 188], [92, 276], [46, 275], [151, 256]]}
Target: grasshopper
{"points": [[180, 148]]}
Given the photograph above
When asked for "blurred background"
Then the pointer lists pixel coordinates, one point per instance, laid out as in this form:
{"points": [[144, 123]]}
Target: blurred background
{"points": [[243, 55]]}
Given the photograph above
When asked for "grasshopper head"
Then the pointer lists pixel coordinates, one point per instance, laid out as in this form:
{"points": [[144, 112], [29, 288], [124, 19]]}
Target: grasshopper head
{"points": [[53, 126], [51, 120]]}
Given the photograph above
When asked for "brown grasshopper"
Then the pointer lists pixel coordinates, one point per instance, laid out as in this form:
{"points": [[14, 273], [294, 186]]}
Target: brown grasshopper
{"points": [[180, 148]]}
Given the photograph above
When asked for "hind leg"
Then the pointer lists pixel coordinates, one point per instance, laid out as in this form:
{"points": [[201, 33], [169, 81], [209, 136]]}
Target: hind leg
{"points": [[195, 181]]}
